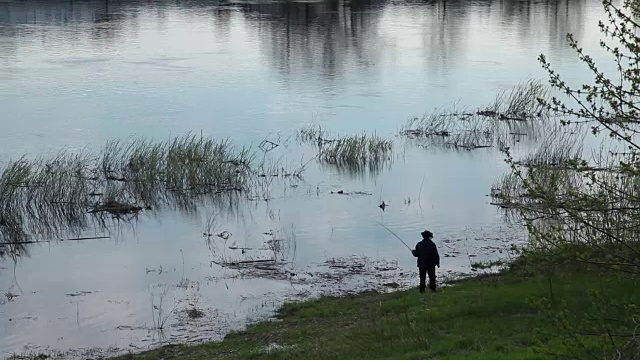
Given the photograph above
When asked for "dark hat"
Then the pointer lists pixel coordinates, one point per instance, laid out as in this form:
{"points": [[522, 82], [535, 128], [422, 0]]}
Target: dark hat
{"points": [[427, 234]]}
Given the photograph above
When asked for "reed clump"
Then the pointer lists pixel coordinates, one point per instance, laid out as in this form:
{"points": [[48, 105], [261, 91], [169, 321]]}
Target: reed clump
{"points": [[550, 164], [184, 164], [354, 152], [522, 102], [48, 196], [511, 116]]}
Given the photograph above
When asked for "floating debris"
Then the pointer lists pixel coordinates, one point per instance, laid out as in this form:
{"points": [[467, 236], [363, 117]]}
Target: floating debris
{"points": [[10, 296], [342, 192], [195, 313], [116, 208], [393, 285]]}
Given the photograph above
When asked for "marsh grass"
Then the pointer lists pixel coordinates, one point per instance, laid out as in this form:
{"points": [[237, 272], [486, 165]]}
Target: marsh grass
{"points": [[282, 245], [559, 180], [313, 133], [159, 315], [471, 131], [69, 191], [556, 151], [549, 164], [522, 101], [187, 164], [280, 167], [272, 260], [513, 115], [355, 153]]}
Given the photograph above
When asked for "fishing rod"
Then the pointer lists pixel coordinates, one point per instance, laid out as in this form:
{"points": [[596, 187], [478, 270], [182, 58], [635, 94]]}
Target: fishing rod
{"points": [[394, 234]]}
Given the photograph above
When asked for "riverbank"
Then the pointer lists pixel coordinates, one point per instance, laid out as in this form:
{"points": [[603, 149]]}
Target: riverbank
{"points": [[504, 316]]}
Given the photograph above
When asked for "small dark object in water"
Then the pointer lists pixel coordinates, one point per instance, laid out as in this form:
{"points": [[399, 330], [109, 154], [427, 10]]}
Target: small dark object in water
{"points": [[234, 163], [487, 113], [116, 208], [10, 296], [473, 147], [382, 206], [394, 285], [417, 132], [87, 238], [515, 118], [115, 178], [245, 262], [195, 313]]}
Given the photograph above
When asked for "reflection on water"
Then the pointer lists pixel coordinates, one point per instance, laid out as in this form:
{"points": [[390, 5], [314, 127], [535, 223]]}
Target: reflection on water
{"points": [[78, 74], [103, 70]]}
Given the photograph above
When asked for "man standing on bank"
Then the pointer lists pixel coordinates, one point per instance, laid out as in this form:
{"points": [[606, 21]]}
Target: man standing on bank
{"points": [[428, 258]]}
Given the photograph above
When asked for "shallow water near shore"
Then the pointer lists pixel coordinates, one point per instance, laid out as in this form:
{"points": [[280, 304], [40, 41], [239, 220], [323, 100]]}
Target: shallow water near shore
{"points": [[77, 74]]}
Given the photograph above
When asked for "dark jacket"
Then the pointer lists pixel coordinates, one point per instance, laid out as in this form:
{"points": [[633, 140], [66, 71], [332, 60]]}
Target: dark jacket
{"points": [[427, 254]]}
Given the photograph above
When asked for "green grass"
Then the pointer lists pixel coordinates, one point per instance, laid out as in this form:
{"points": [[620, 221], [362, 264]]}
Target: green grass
{"points": [[491, 317]]}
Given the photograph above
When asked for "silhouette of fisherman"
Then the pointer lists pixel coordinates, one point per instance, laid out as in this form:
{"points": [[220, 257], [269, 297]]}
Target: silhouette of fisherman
{"points": [[428, 258]]}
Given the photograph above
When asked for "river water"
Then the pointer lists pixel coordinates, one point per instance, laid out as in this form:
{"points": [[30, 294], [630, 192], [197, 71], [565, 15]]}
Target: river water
{"points": [[75, 74]]}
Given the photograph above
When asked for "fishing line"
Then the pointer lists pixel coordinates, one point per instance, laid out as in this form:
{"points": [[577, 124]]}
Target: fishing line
{"points": [[394, 234]]}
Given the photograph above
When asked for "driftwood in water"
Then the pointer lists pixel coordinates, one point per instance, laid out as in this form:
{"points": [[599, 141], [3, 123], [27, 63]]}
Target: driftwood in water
{"points": [[47, 241], [251, 262], [116, 208], [87, 238]]}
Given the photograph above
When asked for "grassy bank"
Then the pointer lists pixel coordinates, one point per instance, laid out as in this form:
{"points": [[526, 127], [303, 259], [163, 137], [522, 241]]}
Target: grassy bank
{"points": [[492, 317]]}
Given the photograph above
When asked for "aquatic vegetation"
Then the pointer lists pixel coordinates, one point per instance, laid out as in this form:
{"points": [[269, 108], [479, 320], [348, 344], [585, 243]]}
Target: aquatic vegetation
{"points": [[556, 150], [69, 191], [188, 164], [278, 167], [313, 134], [274, 253], [554, 185], [549, 165], [356, 150], [159, 314], [521, 102], [513, 115], [355, 153]]}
